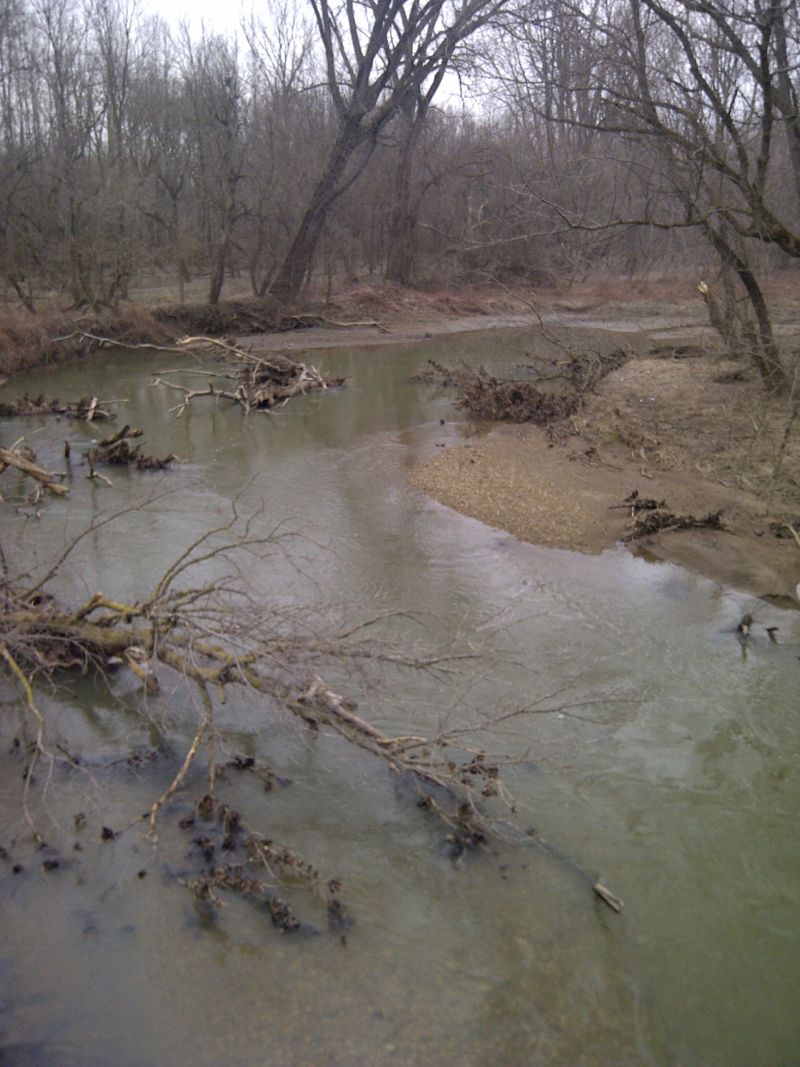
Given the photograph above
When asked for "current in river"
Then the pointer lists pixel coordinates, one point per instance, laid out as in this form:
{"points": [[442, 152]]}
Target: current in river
{"points": [[672, 771]]}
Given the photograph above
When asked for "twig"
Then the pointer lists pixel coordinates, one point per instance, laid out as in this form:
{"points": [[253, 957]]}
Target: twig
{"points": [[38, 746], [177, 781]]}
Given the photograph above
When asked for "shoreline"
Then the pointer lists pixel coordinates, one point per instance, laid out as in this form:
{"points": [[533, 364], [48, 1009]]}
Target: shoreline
{"points": [[694, 431], [559, 498], [564, 488]]}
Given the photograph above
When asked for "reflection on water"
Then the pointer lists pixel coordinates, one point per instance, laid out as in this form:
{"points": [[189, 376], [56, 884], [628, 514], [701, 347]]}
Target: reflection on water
{"points": [[673, 774]]}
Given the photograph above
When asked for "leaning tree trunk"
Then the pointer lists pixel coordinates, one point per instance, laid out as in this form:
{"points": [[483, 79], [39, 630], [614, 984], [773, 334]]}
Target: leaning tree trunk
{"points": [[764, 352], [297, 262]]}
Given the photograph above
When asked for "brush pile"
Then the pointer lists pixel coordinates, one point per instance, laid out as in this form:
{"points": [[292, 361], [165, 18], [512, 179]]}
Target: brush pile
{"points": [[499, 399], [256, 382]]}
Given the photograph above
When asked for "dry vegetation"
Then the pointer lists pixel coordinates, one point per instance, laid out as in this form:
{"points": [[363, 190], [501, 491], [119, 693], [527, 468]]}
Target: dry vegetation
{"points": [[702, 415]]}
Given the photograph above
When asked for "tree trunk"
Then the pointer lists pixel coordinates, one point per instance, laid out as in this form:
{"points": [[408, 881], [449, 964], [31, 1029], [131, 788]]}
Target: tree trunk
{"points": [[15, 280], [297, 263], [401, 255], [218, 270], [764, 350], [401, 251]]}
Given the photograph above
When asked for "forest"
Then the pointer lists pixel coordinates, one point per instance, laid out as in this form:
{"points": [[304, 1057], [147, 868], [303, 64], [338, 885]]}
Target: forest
{"points": [[384, 692], [323, 144]]}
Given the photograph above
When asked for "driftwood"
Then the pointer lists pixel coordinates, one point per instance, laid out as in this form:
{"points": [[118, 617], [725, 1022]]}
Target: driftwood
{"points": [[635, 503], [333, 322], [515, 401], [486, 396], [48, 480], [117, 451], [256, 382], [664, 522], [87, 409]]}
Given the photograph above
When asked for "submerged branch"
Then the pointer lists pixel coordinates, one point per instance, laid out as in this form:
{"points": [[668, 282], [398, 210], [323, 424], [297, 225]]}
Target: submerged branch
{"points": [[49, 481], [189, 624]]}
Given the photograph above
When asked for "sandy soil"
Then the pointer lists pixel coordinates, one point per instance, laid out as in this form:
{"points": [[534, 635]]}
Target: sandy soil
{"points": [[679, 425], [401, 316], [673, 429]]}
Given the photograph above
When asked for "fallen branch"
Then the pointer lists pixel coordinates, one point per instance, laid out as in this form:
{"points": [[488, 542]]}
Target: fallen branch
{"points": [[260, 383], [110, 342], [117, 451], [87, 409], [666, 522], [192, 628], [50, 481], [485, 396], [635, 503]]}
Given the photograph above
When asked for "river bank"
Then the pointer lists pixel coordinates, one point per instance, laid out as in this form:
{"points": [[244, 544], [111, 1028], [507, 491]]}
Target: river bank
{"points": [[675, 423], [688, 431]]}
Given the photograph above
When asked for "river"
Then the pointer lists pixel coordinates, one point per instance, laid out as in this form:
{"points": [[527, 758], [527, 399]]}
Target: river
{"points": [[674, 773]]}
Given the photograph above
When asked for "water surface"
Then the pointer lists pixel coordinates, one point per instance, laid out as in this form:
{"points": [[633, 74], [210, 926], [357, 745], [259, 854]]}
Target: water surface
{"points": [[676, 780]]}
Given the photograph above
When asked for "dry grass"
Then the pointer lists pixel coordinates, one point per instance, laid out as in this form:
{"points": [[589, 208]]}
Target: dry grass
{"points": [[690, 415], [57, 337], [30, 341]]}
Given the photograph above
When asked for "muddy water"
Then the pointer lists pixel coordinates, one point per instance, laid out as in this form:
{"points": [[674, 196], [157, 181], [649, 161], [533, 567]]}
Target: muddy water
{"points": [[673, 773]]}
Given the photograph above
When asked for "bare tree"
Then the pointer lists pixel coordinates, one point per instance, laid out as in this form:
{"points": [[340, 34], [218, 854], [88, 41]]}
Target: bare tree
{"points": [[218, 104], [377, 54], [289, 128], [703, 96]]}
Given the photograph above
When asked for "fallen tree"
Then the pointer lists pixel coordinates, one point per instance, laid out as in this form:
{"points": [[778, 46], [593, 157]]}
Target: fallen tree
{"points": [[201, 623], [257, 382]]}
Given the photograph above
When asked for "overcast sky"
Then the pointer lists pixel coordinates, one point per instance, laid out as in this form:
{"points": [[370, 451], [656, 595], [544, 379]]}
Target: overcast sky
{"points": [[225, 16], [218, 16]]}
